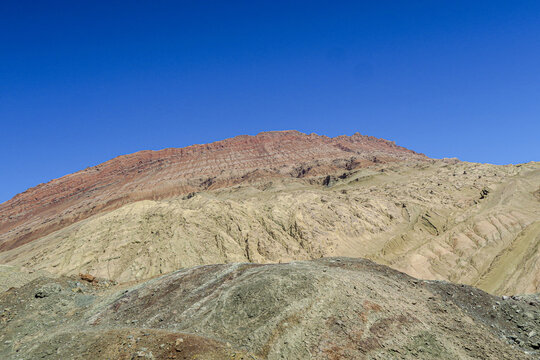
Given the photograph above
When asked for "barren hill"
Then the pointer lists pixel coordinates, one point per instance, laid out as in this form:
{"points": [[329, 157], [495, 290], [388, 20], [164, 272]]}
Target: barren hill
{"points": [[336, 308], [476, 224], [162, 174], [253, 247], [468, 223]]}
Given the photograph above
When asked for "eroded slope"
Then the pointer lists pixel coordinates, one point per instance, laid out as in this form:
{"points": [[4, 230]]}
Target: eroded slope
{"points": [[165, 173], [470, 223]]}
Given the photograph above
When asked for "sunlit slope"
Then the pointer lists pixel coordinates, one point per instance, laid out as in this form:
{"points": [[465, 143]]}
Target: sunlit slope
{"points": [[439, 219], [163, 174]]}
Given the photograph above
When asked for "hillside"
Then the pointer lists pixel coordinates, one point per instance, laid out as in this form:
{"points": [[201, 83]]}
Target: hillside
{"points": [[161, 174], [435, 219], [337, 308], [276, 246]]}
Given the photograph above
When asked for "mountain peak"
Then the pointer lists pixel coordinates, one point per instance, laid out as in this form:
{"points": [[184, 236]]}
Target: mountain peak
{"points": [[174, 171]]}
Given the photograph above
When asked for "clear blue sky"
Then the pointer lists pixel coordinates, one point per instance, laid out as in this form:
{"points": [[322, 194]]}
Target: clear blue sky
{"points": [[84, 81]]}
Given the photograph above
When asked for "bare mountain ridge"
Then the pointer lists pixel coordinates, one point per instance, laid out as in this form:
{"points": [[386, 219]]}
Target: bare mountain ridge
{"points": [[477, 224], [165, 173], [106, 263]]}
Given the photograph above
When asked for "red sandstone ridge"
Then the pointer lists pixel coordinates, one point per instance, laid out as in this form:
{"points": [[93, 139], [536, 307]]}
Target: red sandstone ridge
{"points": [[164, 173]]}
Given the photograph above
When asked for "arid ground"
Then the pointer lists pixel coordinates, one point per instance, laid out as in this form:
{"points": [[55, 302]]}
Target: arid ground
{"points": [[276, 246]]}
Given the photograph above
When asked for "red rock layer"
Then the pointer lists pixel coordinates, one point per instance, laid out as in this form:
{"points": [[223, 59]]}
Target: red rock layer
{"points": [[164, 173]]}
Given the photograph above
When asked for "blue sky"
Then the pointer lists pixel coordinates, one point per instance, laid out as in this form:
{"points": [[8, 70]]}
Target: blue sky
{"points": [[84, 81]]}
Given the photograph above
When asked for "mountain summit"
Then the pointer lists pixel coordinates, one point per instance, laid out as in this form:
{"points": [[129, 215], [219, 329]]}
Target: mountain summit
{"points": [[174, 171]]}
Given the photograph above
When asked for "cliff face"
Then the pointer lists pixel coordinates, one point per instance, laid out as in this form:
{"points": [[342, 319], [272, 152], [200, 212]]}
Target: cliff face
{"points": [[175, 171]]}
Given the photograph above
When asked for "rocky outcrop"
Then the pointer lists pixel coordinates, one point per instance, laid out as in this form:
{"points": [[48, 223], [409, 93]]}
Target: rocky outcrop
{"points": [[169, 172]]}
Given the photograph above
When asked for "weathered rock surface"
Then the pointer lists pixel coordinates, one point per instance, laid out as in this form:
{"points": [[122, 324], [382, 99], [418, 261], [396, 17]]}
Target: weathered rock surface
{"points": [[335, 308], [476, 224], [162, 174]]}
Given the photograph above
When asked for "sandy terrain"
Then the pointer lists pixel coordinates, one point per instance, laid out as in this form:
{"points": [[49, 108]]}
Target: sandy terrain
{"points": [[439, 219]]}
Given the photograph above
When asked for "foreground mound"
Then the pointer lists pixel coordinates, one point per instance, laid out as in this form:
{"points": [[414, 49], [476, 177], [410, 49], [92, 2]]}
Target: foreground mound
{"points": [[335, 308]]}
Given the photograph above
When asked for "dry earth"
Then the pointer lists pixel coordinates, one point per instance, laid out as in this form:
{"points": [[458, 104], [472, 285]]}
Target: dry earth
{"points": [[476, 224], [336, 308], [106, 263], [165, 173]]}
